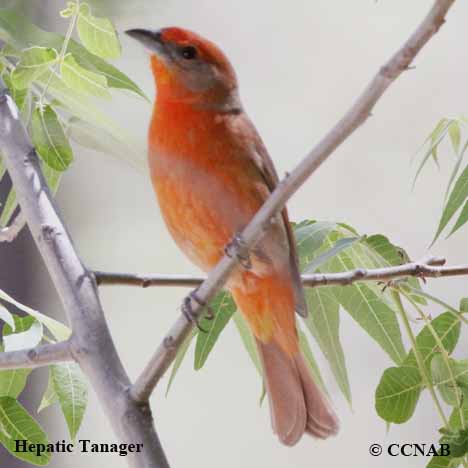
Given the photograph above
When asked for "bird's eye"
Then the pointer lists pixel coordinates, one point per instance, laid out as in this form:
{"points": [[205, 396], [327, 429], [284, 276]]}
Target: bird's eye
{"points": [[188, 52]]}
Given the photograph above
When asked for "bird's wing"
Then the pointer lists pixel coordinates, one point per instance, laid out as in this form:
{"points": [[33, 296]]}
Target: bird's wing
{"points": [[258, 154]]}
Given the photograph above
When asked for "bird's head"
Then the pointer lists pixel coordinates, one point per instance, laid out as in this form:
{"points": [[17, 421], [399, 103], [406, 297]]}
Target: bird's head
{"points": [[188, 67]]}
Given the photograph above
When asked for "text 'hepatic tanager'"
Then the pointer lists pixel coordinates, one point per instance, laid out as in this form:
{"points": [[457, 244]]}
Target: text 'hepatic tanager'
{"points": [[212, 173]]}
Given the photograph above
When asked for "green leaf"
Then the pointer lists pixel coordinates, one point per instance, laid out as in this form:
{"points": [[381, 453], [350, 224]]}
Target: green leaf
{"points": [[455, 421], [374, 316], [364, 302], [414, 284], [9, 51], [455, 426], [50, 140], [71, 389], [461, 372], [9, 208], [60, 331], [340, 245], [398, 393], [441, 373], [434, 299], [458, 442], [13, 381], [310, 236], [376, 251], [462, 219], [27, 333], [323, 321], [438, 461], [455, 169], [20, 96], [447, 327], [97, 34], [7, 317], [52, 177], [95, 138], [81, 106], [250, 344], [181, 352], [33, 62], [222, 307], [2, 167], [435, 138], [400, 387], [464, 305], [248, 340], [115, 78], [19, 425], [50, 395], [20, 32], [385, 252], [456, 199], [454, 134], [82, 80], [309, 357]]}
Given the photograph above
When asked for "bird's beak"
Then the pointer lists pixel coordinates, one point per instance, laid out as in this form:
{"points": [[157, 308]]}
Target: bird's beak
{"points": [[151, 39]]}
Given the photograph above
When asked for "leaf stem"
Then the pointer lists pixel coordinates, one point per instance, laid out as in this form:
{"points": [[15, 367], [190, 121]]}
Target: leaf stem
{"points": [[422, 369], [63, 51], [445, 356], [434, 299]]}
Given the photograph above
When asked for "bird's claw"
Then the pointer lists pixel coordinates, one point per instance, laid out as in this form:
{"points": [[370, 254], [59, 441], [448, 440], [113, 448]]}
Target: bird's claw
{"points": [[237, 248], [189, 313]]}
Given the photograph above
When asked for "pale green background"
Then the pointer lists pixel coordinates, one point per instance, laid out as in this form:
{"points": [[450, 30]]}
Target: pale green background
{"points": [[300, 65]]}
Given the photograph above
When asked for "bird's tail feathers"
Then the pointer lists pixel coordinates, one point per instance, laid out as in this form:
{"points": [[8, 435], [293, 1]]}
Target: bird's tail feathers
{"points": [[297, 404]]}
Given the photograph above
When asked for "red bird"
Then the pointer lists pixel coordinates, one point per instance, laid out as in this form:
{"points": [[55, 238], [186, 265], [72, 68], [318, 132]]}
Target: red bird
{"points": [[211, 173]]}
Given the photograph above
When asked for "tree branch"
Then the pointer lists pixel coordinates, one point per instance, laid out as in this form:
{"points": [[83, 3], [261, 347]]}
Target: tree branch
{"points": [[10, 233], [36, 357], [91, 344], [421, 269], [355, 117], [104, 278]]}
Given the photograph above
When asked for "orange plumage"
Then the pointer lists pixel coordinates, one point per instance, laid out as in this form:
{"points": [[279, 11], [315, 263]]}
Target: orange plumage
{"points": [[211, 173]]}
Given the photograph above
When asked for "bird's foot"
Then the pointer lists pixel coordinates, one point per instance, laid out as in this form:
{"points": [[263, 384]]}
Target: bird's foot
{"points": [[191, 315], [237, 248]]}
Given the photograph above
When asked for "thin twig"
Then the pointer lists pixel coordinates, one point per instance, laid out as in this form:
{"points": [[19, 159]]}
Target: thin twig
{"points": [[104, 278], [36, 357], [353, 119], [420, 270], [10, 233]]}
